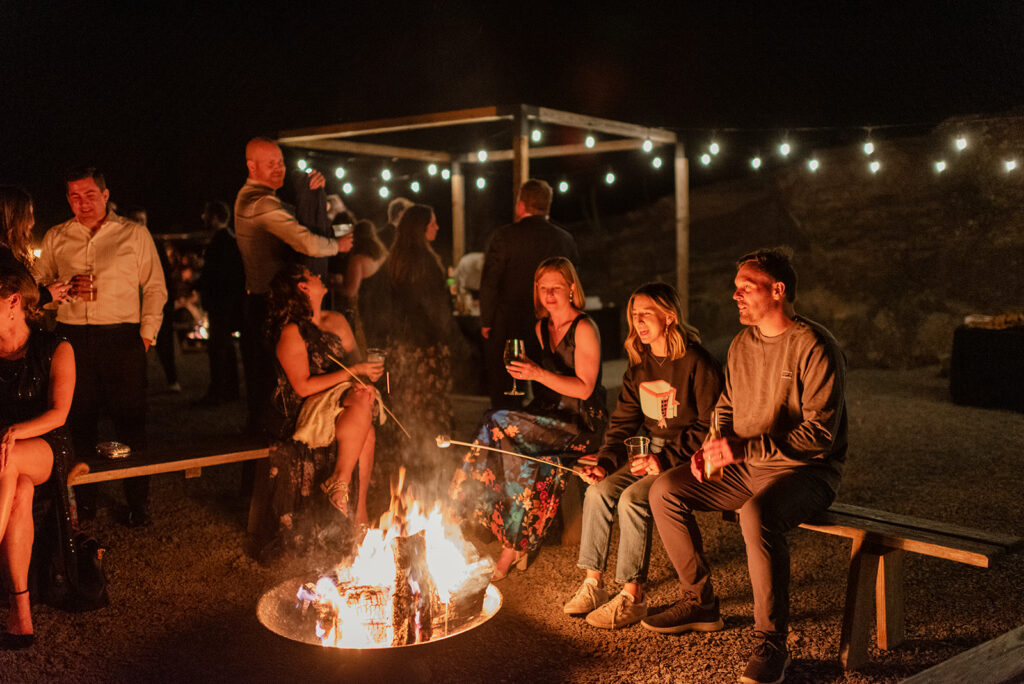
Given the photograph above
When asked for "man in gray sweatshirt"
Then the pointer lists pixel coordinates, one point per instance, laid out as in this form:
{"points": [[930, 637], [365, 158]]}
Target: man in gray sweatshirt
{"points": [[783, 443]]}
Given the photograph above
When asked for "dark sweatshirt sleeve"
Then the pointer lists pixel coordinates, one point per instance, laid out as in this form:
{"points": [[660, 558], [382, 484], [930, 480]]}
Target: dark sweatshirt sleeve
{"points": [[624, 423], [706, 385]]}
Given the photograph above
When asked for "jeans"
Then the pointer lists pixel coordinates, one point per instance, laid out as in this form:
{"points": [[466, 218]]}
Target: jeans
{"points": [[771, 501], [629, 494]]}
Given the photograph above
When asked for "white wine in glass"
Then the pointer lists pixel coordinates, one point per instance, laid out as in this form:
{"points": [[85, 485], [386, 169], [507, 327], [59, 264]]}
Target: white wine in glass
{"points": [[515, 350]]}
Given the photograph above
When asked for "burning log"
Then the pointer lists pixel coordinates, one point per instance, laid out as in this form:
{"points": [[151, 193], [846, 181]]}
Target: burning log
{"points": [[415, 596]]}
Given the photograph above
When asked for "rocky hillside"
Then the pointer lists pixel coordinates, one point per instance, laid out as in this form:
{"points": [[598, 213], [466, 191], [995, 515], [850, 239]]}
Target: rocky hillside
{"points": [[891, 262]]}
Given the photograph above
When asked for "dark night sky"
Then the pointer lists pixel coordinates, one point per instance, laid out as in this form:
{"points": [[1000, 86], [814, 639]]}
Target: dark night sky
{"points": [[164, 95]]}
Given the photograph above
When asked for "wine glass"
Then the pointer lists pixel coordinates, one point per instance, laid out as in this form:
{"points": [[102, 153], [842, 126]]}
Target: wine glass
{"points": [[515, 350]]}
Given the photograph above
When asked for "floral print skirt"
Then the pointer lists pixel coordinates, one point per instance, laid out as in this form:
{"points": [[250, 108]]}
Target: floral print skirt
{"points": [[515, 497]]}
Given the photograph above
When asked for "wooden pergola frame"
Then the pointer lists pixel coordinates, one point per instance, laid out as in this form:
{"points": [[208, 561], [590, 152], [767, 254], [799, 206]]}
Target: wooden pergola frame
{"points": [[338, 138]]}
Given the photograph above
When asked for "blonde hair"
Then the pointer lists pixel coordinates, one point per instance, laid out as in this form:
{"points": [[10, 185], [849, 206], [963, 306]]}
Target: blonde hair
{"points": [[564, 268], [678, 333]]}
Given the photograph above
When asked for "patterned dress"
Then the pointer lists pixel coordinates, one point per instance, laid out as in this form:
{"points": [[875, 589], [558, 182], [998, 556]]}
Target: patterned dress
{"points": [[296, 515], [515, 497]]}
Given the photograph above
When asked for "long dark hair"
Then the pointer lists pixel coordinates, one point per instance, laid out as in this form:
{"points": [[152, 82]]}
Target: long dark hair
{"points": [[678, 333], [365, 240], [16, 278], [16, 222], [412, 257], [286, 303]]}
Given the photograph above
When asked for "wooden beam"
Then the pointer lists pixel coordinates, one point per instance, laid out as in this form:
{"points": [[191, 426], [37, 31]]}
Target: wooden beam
{"points": [[372, 150], [860, 589], [996, 661], [592, 123], [185, 464], [889, 600], [458, 181], [402, 123], [556, 151], [682, 176], [520, 158]]}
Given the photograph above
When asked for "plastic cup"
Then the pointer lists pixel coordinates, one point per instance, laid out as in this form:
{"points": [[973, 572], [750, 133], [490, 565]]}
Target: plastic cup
{"points": [[637, 449], [85, 286]]}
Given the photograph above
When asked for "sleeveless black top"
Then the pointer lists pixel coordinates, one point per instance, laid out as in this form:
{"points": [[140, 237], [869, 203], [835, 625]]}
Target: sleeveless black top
{"points": [[590, 413]]}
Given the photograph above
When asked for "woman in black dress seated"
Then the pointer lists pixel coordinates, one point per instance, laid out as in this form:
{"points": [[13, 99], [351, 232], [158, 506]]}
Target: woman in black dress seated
{"points": [[324, 415], [515, 497], [37, 382]]}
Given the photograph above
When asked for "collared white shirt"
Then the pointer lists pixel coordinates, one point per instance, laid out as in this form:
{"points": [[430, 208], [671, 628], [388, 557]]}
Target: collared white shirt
{"points": [[121, 254]]}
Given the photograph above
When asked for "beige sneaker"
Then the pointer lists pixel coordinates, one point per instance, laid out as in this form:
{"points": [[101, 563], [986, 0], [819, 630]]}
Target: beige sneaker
{"points": [[621, 611], [588, 597]]}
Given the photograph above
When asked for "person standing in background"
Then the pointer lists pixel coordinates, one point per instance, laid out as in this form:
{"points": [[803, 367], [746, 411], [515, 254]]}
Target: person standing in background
{"points": [[222, 289]]}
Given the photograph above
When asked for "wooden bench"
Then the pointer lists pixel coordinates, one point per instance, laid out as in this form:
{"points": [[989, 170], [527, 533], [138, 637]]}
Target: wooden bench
{"points": [[97, 470], [875, 579], [997, 661]]}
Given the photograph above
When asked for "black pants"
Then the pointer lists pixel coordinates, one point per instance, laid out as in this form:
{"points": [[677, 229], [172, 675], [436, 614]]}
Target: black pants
{"points": [[258, 364], [110, 370], [220, 348], [165, 346]]}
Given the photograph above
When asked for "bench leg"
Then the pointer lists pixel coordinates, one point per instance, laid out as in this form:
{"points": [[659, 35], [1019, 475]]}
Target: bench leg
{"points": [[259, 497], [860, 589], [572, 512], [889, 600]]}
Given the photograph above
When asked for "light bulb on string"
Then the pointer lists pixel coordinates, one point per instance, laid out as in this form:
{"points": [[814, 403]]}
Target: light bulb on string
{"points": [[648, 145], [785, 148], [384, 192], [563, 187], [481, 183], [414, 186], [386, 174], [432, 169], [446, 174], [813, 165], [339, 172], [656, 162], [481, 156], [705, 159], [960, 143], [714, 148], [869, 148], [755, 163], [347, 188], [1010, 165], [940, 166], [875, 166], [609, 178], [302, 164], [590, 141], [536, 135]]}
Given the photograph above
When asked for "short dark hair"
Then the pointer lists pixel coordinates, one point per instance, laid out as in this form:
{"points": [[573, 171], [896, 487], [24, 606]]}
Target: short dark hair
{"points": [[217, 210], [776, 263], [536, 196], [82, 172]]}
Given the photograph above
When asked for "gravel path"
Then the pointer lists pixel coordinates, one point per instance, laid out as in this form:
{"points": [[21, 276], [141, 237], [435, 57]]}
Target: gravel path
{"points": [[183, 593]]}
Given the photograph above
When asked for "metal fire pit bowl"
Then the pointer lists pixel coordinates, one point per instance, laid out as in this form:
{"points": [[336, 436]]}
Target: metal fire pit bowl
{"points": [[278, 611]]}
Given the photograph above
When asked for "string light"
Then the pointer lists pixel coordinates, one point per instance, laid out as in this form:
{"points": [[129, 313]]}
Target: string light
{"points": [[648, 145], [869, 148], [960, 143], [302, 164], [386, 175], [714, 148], [940, 166], [755, 163], [481, 183], [432, 169], [339, 172], [609, 178], [414, 186], [656, 162], [875, 166], [384, 192], [705, 159], [536, 135], [1010, 165], [347, 188], [813, 165], [446, 174], [590, 141], [563, 187], [785, 149], [481, 156]]}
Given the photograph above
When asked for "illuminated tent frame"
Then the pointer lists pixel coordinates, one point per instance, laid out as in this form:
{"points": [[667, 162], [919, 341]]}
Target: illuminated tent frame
{"points": [[340, 138]]}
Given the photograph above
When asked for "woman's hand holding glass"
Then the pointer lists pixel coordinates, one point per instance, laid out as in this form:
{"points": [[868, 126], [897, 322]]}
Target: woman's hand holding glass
{"points": [[524, 370], [369, 369]]}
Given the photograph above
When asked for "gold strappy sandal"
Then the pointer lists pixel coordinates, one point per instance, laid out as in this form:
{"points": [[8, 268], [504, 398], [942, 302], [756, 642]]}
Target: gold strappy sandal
{"points": [[337, 494]]}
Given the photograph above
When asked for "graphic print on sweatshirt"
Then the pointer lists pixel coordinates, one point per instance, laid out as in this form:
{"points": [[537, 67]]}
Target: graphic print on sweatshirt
{"points": [[658, 401]]}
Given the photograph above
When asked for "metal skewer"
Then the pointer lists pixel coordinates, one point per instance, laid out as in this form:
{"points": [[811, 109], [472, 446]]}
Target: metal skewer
{"points": [[386, 409], [444, 442]]}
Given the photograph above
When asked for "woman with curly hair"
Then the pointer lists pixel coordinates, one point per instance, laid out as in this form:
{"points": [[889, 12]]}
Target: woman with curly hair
{"points": [[323, 410], [17, 217]]}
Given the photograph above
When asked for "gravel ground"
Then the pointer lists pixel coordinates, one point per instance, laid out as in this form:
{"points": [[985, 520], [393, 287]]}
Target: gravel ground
{"points": [[183, 593]]}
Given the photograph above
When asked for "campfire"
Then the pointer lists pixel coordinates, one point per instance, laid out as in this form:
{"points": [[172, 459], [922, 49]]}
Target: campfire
{"points": [[413, 579]]}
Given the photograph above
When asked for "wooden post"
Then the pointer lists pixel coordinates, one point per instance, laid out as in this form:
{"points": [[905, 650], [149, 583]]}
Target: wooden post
{"points": [[458, 213], [520, 157], [860, 589], [682, 174], [889, 621]]}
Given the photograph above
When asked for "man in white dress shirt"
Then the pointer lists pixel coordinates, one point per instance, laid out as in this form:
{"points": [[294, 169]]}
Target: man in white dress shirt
{"points": [[110, 329]]}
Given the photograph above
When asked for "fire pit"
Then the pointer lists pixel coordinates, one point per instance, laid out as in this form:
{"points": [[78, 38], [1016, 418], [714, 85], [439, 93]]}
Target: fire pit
{"points": [[413, 580]]}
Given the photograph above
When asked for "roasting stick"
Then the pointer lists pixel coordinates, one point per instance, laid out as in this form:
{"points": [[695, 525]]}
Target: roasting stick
{"points": [[386, 409], [444, 442]]}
